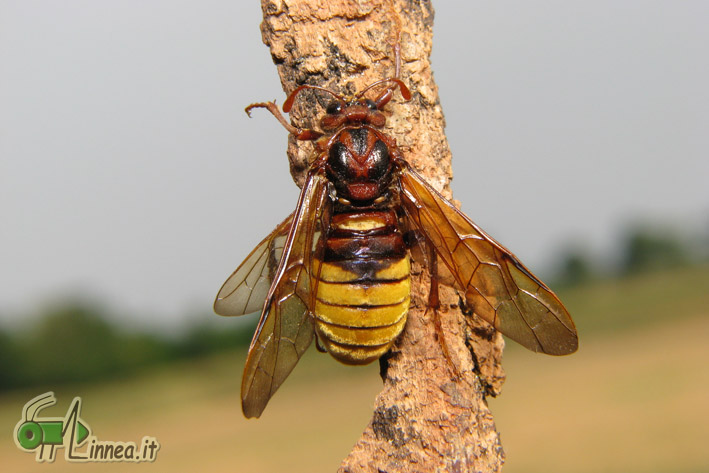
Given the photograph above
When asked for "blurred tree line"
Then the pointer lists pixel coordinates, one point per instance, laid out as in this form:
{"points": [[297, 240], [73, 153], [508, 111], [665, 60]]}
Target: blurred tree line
{"points": [[643, 247], [76, 342]]}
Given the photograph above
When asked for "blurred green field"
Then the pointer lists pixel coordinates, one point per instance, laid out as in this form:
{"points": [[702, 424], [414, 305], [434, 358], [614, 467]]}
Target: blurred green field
{"points": [[635, 398]]}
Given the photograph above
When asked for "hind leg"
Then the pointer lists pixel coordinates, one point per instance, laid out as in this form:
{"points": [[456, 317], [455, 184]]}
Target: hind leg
{"points": [[434, 304]]}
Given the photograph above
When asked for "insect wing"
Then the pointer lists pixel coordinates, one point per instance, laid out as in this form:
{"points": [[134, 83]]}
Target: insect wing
{"points": [[497, 286], [286, 329], [246, 289]]}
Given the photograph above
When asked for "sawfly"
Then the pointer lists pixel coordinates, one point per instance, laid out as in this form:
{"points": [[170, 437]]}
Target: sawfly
{"points": [[339, 268]]}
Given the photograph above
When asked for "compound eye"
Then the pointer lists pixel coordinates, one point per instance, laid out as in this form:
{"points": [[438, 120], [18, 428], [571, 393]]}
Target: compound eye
{"points": [[334, 108], [370, 104]]}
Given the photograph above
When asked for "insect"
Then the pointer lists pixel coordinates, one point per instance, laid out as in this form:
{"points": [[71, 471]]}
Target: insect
{"points": [[338, 268]]}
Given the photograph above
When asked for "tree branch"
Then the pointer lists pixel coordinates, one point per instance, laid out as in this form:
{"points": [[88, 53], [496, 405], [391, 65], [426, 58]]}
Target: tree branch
{"points": [[426, 418]]}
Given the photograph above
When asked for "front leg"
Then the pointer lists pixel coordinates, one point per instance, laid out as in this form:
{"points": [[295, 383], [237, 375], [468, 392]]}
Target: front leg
{"points": [[303, 134]]}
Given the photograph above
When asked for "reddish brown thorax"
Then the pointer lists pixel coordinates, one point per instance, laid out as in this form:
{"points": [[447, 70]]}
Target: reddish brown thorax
{"points": [[355, 155], [358, 159], [359, 165]]}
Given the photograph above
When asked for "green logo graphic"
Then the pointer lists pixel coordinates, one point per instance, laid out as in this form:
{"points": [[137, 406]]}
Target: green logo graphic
{"points": [[44, 435]]}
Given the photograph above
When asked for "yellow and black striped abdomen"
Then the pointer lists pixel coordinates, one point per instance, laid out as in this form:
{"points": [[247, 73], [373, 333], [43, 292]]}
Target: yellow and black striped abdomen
{"points": [[364, 287]]}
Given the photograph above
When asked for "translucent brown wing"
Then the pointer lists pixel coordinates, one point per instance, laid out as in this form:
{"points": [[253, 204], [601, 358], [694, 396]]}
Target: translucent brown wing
{"points": [[497, 286], [246, 289], [285, 329]]}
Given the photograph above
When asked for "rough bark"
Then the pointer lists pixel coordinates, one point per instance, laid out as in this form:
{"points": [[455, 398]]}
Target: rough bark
{"points": [[427, 418]]}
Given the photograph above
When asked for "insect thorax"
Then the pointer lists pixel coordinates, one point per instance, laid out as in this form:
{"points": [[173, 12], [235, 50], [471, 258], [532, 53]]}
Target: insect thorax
{"points": [[359, 165]]}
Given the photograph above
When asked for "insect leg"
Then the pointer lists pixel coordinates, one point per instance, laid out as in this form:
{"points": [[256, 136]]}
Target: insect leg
{"points": [[434, 304], [304, 134]]}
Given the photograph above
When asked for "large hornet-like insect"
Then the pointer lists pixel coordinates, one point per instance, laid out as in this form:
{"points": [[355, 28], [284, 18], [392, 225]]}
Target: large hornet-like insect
{"points": [[339, 266]]}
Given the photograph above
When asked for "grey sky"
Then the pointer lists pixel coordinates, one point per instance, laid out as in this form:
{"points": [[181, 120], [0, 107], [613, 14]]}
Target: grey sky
{"points": [[129, 172]]}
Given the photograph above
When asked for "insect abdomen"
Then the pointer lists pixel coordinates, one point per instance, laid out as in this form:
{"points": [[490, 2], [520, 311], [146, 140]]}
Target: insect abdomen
{"points": [[364, 287]]}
